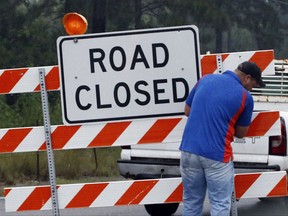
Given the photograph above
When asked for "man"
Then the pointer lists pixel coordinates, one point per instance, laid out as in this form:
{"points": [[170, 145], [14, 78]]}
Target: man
{"points": [[219, 107]]}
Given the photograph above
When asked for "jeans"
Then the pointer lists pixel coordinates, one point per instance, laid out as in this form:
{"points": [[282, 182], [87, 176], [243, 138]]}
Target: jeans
{"points": [[200, 173]]}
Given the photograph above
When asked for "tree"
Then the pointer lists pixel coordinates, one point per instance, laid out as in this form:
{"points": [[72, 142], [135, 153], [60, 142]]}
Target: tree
{"points": [[217, 18], [263, 20], [27, 38], [99, 16]]}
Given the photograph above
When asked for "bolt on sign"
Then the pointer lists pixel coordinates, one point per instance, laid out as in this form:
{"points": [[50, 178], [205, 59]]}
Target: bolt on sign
{"points": [[127, 75]]}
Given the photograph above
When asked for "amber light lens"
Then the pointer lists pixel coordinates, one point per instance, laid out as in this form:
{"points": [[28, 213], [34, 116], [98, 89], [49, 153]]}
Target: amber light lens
{"points": [[74, 23]]}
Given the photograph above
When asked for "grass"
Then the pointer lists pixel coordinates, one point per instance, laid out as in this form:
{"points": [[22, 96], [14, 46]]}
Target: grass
{"points": [[71, 166]]}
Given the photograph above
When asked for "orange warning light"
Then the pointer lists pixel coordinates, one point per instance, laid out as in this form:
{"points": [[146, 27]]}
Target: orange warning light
{"points": [[74, 23]]}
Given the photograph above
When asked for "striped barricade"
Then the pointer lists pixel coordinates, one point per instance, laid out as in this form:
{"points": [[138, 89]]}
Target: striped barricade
{"points": [[27, 79], [266, 184], [138, 192], [216, 63], [143, 131], [146, 131], [22, 80]]}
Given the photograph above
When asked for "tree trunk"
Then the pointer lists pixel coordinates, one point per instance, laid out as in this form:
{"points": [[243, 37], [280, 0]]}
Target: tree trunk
{"points": [[229, 41], [67, 6], [218, 35], [99, 16], [138, 14]]}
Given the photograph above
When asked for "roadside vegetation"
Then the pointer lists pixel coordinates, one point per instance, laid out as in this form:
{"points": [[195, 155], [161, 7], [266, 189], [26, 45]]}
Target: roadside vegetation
{"points": [[71, 166]]}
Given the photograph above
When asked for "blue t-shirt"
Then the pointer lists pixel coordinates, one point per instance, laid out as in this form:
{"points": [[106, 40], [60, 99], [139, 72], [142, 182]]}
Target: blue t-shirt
{"points": [[217, 103]]}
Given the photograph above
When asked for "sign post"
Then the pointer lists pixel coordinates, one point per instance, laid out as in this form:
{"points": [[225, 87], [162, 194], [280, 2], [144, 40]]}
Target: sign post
{"points": [[49, 147], [127, 75]]}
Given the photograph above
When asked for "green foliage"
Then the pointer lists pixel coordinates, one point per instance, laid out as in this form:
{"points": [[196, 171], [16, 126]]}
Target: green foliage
{"points": [[55, 108], [26, 38], [26, 110], [6, 116], [69, 164], [16, 168], [260, 18], [73, 164]]}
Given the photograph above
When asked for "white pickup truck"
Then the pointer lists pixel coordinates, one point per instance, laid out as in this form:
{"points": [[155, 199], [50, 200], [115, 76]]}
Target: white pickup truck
{"points": [[256, 153]]}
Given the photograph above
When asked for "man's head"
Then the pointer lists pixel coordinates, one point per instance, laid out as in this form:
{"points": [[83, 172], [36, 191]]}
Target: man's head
{"points": [[250, 75], [250, 68]]}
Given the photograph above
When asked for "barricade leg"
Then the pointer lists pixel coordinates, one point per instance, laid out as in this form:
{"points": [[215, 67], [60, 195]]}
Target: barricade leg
{"points": [[47, 130], [234, 210]]}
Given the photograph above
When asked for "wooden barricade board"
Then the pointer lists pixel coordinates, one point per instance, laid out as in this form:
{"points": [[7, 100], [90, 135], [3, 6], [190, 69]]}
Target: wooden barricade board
{"points": [[146, 131], [138, 192]]}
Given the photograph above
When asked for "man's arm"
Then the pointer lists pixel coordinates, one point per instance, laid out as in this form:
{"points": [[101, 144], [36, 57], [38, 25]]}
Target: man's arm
{"points": [[187, 110], [240, 131]]}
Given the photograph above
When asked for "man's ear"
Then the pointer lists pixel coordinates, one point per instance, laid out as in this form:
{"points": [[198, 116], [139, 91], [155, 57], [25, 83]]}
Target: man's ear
{"points": [[247, 77]]}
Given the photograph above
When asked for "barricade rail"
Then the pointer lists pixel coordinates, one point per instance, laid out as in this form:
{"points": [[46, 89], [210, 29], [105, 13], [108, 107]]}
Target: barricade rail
{"points": [[138, 192], [147, 131]]}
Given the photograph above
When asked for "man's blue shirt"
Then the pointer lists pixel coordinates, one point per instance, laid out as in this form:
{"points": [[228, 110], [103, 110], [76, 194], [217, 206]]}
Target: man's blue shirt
{"points": [[217, 103]]}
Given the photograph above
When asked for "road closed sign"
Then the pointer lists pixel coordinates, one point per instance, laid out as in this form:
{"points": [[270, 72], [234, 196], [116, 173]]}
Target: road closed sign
{"points": [[127, 75]]}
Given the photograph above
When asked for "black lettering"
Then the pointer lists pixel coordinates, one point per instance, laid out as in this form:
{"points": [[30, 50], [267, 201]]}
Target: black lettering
{"points": [[77, 97], [116, 94], [141, 91], [157, 91], [93, 60], [138, 50], [154, 53], [174, 89], [98, 99], [111, 58]]}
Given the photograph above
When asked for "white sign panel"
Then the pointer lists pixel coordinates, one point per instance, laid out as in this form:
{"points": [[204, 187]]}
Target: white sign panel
{"points": [[127, 75]]}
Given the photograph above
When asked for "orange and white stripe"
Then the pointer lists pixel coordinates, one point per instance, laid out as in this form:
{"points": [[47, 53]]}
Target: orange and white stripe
{"points": [[264, 59], [96, 194], [21, 80], [266, 184], [134, 192], [146, 131], [93, 135], [262, 122]]}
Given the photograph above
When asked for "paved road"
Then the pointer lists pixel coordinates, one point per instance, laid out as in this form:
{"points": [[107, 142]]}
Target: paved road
{"points": [[246, 207]]}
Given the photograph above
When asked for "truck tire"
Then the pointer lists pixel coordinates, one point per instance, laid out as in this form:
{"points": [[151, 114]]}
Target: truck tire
{"points": [[167, 209]]}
